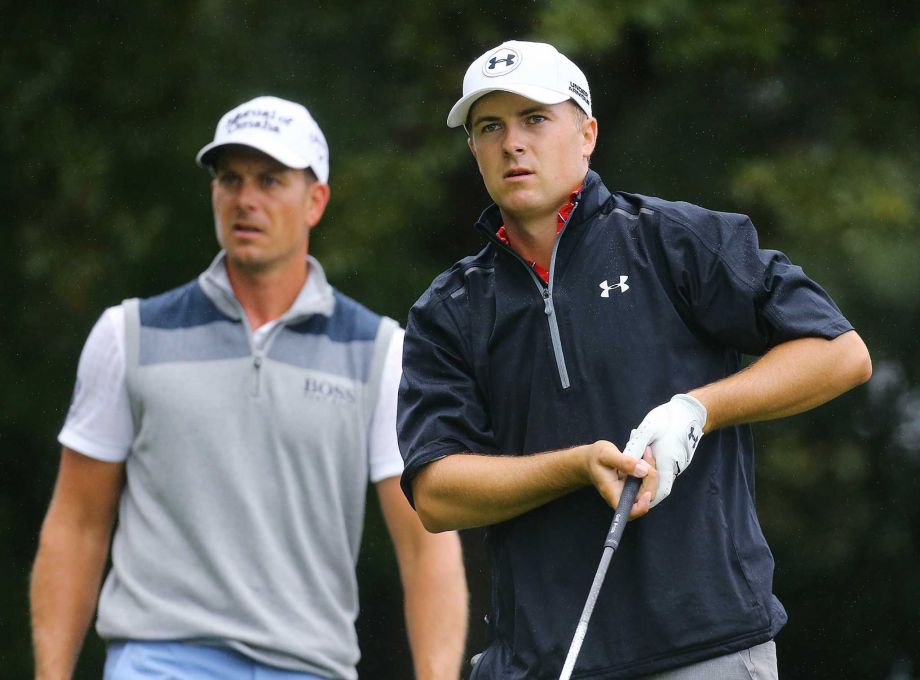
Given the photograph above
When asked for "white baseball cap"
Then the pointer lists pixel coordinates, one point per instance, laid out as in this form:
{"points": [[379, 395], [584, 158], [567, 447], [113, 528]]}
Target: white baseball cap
{"points": [[537, 71], [282, 129]]}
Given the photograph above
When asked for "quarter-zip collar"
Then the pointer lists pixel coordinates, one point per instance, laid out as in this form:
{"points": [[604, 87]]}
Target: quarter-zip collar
{"points": [[593, 194], [316, 296], [562, 217], [592, 197]]}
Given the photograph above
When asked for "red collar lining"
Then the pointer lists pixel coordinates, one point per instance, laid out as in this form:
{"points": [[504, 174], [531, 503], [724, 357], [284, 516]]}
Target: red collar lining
{"points": [[561, 217]]}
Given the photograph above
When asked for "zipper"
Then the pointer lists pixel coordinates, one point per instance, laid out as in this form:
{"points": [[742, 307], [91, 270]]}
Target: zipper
{"points": [[546, 292], [555, 337], [256, 375], [256, 382], [550, 310], [257, 353]]}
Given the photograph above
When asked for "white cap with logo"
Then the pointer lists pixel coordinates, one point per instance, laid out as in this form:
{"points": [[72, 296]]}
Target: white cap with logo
{"points": [[537, 71], [280, 128]]}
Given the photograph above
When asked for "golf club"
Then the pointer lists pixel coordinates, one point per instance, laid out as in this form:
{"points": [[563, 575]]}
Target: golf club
{"points": [[620, 516]]}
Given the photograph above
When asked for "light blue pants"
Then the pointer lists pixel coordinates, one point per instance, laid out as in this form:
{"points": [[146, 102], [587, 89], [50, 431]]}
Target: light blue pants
{"points": [[146, 660]]}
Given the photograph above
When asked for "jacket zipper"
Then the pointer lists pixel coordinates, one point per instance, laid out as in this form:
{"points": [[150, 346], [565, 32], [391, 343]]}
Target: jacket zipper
{"points": [[556, 339], [546, 292], [550, 310]]}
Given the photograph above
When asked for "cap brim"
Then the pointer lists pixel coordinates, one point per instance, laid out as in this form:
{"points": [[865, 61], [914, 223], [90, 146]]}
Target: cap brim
{"points": [[461, 109], [207, 157]]}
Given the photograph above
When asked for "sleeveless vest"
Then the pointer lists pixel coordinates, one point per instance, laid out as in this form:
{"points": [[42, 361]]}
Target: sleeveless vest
{"points": [[242, 514]]}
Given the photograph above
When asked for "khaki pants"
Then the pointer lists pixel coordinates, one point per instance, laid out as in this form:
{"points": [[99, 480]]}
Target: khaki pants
{"points": [[756, 663]]}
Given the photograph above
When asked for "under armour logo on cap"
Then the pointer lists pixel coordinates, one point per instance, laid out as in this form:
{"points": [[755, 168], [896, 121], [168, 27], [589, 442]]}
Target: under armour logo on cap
{"points": [[510, 62]]}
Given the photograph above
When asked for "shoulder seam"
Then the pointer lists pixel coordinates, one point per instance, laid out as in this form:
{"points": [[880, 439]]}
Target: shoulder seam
{"points": [[716, 252]]}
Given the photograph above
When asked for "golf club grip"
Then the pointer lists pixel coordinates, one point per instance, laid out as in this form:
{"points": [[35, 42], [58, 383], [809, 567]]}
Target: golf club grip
{"points": [[621, 514]]}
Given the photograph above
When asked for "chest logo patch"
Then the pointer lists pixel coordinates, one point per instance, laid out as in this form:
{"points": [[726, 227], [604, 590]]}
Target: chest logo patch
{"points": [[321, 390], [622, 286]]}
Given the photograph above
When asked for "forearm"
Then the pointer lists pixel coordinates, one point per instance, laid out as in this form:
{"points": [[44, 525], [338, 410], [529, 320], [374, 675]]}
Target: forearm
{"points": [[469, 490], [63, 592], [72, 551], [436, 609], [434, 587], [791, 378]]}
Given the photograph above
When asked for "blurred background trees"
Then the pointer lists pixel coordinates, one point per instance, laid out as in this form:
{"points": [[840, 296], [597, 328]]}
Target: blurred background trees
{"points": [[804, 115]]}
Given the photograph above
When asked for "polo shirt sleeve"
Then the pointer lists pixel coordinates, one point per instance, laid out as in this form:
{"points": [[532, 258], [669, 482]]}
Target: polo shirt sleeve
{"points": [[99, 422], [383, 450], [441, 410], [737, 293]]}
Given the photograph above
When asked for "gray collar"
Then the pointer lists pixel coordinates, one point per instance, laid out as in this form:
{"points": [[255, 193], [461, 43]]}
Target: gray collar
{"points": [[316, 297]]}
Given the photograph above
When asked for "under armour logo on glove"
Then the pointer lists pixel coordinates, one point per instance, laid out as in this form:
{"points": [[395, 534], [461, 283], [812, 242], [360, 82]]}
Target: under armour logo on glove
{"points": [[673, 431]]}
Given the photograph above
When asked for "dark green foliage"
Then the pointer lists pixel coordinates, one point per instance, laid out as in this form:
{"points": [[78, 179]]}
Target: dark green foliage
{"points": [[802, 114]]}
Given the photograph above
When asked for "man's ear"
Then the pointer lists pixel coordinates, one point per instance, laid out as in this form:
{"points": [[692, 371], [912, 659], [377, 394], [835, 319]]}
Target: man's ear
{"points": [[318, 199], [469, 143], [589, 136]]}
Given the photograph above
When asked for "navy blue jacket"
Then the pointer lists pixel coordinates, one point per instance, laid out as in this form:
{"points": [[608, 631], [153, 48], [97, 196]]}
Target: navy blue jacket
{"points": [[646, 299]]}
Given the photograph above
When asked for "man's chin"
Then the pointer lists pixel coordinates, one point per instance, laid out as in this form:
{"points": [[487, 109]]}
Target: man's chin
{"points": [[245, 261], [520, 208], [517, 201]]}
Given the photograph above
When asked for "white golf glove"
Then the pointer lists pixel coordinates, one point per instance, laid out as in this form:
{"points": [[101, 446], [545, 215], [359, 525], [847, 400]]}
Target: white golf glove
{"points": [[673, 430]]}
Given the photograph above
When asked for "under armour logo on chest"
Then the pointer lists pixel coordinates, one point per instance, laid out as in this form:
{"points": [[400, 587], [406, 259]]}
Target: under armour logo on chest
{"points": [[605, 288]]}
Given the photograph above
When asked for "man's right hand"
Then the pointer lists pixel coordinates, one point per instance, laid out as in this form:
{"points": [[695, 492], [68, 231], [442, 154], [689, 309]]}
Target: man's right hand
{"points": [[606, 466]]}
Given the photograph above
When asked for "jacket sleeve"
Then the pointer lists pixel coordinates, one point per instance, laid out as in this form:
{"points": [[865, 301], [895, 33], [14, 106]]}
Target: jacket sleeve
{"points": [[441, 410], [738, 294]]}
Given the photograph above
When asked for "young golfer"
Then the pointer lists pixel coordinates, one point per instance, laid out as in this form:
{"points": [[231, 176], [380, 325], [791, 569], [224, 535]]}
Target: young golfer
{"points": [[588, 314]]}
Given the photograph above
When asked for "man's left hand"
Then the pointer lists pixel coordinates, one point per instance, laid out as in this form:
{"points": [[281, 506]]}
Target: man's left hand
{"points": [[672, 431]]}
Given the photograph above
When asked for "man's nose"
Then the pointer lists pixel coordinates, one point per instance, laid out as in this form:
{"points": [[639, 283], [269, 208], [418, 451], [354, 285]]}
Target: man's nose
{"points": [[246, 195], [513, 142]]}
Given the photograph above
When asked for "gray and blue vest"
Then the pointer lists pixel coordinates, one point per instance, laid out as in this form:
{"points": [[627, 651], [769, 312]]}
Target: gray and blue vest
{"points": [[242, 514]]}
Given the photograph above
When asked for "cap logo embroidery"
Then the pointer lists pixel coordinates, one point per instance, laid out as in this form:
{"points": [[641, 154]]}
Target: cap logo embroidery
{"points": [[575, 88], [502, 61], [267, 120], [320, 144]]}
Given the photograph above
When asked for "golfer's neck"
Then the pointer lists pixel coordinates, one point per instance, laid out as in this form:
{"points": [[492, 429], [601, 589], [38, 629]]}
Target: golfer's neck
{"points": [[267, 294], [532, 239]]}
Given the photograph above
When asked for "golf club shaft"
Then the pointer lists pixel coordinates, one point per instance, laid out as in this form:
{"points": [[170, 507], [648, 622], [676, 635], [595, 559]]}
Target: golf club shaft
{"points": [[620, 516]]}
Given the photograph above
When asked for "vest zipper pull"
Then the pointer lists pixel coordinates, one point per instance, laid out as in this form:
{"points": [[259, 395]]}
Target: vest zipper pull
{"points": [[256, 366]]}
